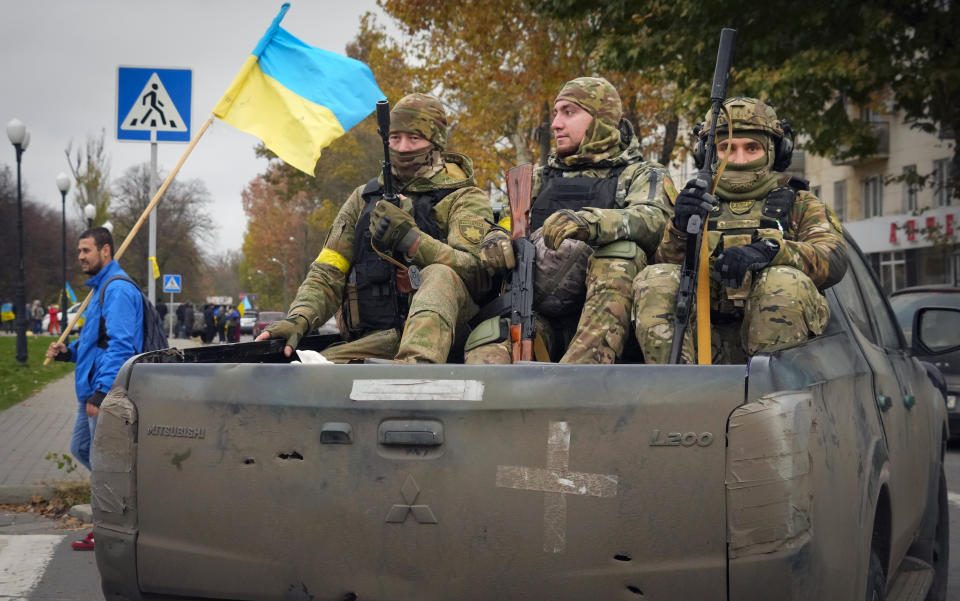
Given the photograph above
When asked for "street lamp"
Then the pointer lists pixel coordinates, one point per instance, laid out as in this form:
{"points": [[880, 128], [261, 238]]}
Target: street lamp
{"points": [[283, 270], [89, 211], [20, 138], [63, 184], [108, 225]]}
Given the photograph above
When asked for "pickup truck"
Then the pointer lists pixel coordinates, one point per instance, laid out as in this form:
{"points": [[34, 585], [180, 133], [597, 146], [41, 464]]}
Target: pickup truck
{"points": [[815, 472]]}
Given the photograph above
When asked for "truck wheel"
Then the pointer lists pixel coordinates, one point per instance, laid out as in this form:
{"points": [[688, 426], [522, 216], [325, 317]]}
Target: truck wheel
{"points": [[941, 544], [876, 581]]}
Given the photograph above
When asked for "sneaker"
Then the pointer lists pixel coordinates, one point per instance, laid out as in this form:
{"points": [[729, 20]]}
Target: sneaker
{"points": [[83, 545]]}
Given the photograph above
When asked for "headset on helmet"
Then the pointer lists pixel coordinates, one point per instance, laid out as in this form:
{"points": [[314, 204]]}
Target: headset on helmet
{"points": [[763, 119]]}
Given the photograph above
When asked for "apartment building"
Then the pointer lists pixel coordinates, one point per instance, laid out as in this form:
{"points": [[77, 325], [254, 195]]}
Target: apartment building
{"points": [[909, 232]]}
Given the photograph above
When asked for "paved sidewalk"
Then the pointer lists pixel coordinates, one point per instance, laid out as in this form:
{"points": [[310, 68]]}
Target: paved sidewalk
{"points": [[39, 425]]}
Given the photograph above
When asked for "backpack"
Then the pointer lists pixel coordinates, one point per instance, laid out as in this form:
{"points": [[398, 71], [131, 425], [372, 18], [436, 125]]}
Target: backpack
{"points": [[154, 336]]}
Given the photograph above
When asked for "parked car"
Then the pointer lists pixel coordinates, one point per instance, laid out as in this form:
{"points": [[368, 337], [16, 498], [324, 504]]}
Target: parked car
{"points": [[265, 318], [942, 351], [71, 311], [814, 472], [247, 321]]}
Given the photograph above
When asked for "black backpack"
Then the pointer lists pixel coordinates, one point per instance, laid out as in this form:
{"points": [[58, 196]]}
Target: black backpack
{"points": [[154, 336]]}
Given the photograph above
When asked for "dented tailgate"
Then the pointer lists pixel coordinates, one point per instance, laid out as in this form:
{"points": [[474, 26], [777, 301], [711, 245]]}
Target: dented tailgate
{"points": [[432, 482]]}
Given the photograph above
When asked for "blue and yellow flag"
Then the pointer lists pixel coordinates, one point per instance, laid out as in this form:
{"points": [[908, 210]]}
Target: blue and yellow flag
{"points": [[297, 98], [70, 295]]}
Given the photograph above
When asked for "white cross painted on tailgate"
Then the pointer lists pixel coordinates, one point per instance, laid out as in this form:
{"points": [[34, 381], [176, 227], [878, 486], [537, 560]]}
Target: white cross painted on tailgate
{"points": [[556, 481]]}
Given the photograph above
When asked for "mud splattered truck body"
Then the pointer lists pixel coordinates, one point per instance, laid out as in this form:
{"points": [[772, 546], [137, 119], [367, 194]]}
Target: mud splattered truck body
{"points": [[811, 473]]}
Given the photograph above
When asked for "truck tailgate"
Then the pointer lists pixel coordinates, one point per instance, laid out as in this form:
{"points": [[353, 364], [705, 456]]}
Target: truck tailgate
{"points": [[390, 482]]}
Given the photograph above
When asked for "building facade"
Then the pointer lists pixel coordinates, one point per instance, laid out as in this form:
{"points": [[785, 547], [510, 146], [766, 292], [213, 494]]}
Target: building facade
{"points": [[907, 228]]}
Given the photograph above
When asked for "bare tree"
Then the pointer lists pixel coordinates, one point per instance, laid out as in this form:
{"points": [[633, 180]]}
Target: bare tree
{"points": [[90, 166], [184, 228]]}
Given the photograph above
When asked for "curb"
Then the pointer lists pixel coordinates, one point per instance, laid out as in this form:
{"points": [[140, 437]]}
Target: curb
{"points": [[82, 512], [25, 493]]}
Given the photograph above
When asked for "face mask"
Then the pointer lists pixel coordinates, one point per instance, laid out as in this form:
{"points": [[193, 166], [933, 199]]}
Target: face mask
{"points": [[748, 177], [415, 163]]}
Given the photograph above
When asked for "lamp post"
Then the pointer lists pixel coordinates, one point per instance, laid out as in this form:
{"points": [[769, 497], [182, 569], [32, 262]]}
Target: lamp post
{"points": [[108, 225], [20, 138], [63, 184], [283, 270], [89, 211]]}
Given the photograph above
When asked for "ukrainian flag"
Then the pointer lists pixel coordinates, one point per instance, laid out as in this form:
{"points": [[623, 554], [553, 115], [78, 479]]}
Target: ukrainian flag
{"points": [[297, 98]]}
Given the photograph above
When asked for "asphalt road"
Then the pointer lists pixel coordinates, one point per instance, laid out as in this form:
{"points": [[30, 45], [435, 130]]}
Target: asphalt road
{"points": [[46, 568]]}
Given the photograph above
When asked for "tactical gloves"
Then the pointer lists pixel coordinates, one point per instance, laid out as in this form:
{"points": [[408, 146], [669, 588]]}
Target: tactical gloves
{"points": [[496, 251], [392, 227], [566, 224], [733, 263], [292, 328], [692, 200]]}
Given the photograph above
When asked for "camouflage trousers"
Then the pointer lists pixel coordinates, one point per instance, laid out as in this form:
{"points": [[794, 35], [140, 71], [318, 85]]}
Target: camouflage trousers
{"points": [[783, 308], [604, 324], [441, 306]]}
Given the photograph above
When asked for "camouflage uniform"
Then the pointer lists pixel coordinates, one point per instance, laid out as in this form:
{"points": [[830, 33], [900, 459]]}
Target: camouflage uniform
{"points": [[623, 236], [449, 266], [782, 305]]}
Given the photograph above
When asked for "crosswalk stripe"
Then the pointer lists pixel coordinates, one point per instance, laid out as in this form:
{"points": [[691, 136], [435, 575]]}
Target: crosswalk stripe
{"points": [[23, 559]]}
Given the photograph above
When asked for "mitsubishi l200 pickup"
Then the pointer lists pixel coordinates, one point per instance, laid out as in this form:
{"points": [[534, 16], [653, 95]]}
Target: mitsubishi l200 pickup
{"points": [[815, 472]]}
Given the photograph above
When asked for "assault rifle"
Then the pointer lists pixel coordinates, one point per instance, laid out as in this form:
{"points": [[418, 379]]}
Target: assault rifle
{"points": [[408, 277], [691, 260], [522, 321], [383, 128]]}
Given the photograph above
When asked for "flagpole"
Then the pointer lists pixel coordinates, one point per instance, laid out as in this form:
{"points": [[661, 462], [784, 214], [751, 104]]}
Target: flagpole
{"points": [[136, 227]]}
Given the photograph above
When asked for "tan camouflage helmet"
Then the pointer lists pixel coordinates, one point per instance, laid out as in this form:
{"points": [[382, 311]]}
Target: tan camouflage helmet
{"points": [[423, 115], [595, 95], [748, 114]]}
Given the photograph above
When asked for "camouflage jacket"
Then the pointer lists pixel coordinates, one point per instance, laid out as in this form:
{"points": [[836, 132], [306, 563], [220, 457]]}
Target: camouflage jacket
{"points": [[812, 244], [645, 194], [461, 216]]}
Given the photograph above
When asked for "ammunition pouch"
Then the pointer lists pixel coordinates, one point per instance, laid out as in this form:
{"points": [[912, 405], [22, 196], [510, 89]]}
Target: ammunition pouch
{"points": [[494, 329]]}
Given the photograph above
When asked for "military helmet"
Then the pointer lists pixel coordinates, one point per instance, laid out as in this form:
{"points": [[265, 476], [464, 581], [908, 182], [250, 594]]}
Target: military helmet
{"points": [[423, 115], [748, 115], [560, 276]]}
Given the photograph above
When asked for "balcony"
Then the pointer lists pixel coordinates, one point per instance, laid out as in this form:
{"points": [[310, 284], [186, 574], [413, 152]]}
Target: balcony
{"points": [[881, 132]]}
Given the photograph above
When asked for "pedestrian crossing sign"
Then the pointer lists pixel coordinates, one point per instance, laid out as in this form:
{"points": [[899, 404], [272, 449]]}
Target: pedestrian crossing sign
{"points": [[153, 104], [171, 282]]}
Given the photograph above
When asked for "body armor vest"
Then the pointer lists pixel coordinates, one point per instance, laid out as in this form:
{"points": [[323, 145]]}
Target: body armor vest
{"points": [[574, 193], [744, 217], [372, 301]]}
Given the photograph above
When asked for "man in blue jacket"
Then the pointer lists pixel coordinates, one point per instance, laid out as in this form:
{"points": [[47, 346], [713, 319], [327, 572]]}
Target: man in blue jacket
{"points": [[104, 344]]}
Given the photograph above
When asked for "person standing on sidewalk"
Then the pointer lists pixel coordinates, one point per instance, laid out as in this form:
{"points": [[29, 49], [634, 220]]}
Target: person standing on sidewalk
{"points": [[99, 352]]}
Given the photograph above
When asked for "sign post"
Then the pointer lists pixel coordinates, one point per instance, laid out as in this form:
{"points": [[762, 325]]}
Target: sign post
{"points": [[171, 284], [153, 104]]}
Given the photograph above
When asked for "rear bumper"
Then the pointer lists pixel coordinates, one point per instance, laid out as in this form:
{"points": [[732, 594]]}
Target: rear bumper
{"points": [[117, 562]]}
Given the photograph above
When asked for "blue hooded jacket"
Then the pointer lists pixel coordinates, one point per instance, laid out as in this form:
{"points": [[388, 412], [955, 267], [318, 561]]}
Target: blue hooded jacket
{"points": [[123, 314]]}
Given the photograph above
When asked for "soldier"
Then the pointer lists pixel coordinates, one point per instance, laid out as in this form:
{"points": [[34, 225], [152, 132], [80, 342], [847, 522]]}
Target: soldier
{"points": [[602, 210], [438, 229], [774, 246]]}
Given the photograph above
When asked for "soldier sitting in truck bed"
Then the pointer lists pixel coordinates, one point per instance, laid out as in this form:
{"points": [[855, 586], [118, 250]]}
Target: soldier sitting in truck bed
{"points": [[762, 224], [438, 229]]}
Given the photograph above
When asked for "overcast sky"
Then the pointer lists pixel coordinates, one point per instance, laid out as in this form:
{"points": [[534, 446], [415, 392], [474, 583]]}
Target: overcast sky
{"points": [[58, 64]]}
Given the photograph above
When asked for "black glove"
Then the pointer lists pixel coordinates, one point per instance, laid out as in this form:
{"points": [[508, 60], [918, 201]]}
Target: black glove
{"points": [[733, 263], [692, 200]]}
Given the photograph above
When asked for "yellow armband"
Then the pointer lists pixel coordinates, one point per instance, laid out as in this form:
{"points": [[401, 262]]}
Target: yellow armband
{"points": [[332, 257]]}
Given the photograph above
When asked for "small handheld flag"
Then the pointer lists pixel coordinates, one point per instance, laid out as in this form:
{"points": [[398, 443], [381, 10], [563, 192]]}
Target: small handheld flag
{"points": [[156, 268], [70, 294], [297, 98]]}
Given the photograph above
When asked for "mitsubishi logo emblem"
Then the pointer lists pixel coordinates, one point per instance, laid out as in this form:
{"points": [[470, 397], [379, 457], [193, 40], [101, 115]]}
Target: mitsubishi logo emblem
{"points": [[398, 513]]}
